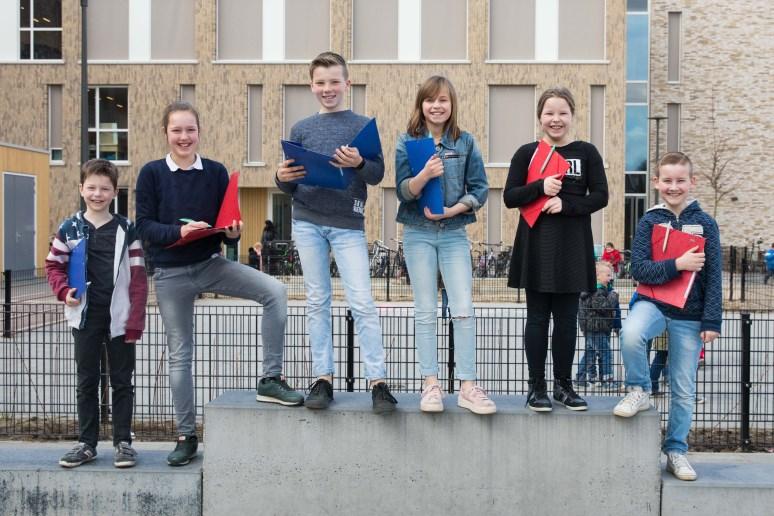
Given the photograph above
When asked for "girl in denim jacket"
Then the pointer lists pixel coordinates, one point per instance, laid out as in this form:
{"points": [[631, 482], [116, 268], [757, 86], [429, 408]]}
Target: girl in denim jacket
{"points": [[432, 242]]}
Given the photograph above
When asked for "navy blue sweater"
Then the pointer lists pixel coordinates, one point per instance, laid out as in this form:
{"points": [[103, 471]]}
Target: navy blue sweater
{"points": [[705, 301], [164, 197]]}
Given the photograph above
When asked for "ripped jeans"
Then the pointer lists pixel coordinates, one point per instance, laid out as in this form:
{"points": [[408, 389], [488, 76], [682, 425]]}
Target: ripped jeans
{"points": [[426, 251]]}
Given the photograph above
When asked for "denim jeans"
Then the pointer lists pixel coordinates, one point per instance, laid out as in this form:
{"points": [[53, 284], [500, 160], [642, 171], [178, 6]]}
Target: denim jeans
{"points": [[176, 290], [426, 251], [645, 321], [597, 345], [658, 366], [88, 351], [314, 242]]}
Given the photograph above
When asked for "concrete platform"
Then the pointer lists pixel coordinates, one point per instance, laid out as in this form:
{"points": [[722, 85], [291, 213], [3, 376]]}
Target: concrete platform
{"points": [[740, 484], [270, 459], [32, 483]]}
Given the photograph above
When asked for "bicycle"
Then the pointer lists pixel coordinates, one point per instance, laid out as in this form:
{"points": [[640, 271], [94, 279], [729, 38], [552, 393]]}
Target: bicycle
{"points": [[380, 259]]}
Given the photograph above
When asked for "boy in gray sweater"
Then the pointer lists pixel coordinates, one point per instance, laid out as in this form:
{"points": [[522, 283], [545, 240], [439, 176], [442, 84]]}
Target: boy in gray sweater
{"points": [[326, 220]]}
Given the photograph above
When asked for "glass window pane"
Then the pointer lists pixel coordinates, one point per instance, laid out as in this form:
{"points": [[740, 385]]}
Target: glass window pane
{"points": [[112, 108], [307, 28], [375, 29], [48, 44], [56, 155], [48, 13], [673, 47], [637, 6], [635, 183], [636, 47], [597, 119], [113, 146], [255, 123], [240, 29], [637, 92], [92, 104], [172, 30], [24, 13], [299, 104], [511, 29], [24, 44], [511, 120], [636, 147], [55, 116], [588, 43], [92, 145], [447, 40], [108, 29]]}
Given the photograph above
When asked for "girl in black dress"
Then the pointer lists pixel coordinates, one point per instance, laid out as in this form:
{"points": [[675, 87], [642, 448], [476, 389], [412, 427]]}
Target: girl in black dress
{"points": [[554, 260]]}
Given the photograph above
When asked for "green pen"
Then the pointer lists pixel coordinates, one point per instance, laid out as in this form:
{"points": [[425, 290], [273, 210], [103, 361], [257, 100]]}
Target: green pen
{"points": [[188, 221]]}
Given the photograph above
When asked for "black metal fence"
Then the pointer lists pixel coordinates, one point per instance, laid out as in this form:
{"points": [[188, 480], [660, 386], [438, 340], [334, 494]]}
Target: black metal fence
{"points": [[38, 380]]}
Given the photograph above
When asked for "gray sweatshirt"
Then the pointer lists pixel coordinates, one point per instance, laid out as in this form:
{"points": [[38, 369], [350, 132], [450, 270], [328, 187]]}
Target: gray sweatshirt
{"points": [[345, 209]]}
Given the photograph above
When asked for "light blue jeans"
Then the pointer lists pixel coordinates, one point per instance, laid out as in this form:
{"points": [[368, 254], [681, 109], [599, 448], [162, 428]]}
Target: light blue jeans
{"points": [[427, 250], [314, 243], [176, 290], [645, 321]]}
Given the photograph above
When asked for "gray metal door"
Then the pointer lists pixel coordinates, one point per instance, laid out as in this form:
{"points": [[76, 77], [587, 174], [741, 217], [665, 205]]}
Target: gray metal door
{"points": [[19, 222]]}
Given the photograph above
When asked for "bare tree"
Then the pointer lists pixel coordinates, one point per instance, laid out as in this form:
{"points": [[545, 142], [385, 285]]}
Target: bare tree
{"points": [[714, 169]]}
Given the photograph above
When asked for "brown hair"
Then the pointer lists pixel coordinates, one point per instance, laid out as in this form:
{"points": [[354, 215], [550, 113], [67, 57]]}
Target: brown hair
{"points": [[674, 158], [326, 60], [559, 92], [178, 105], [430, 89], [100, 167]]}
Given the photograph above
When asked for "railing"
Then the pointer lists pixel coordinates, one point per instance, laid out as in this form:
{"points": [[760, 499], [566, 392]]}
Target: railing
{"points": [[38, 378]]}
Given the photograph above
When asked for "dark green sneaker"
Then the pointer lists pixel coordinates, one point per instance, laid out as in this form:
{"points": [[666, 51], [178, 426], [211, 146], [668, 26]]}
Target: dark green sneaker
{"points": [[274, 389], [383, 401], [184, 451], [320, 395]]}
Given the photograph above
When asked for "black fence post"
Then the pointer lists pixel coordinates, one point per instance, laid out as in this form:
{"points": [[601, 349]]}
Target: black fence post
{"points": [[744, 429], [451, 356], [744, 274], [388, 274], [350, 380], [731, 271], [7, 304]]}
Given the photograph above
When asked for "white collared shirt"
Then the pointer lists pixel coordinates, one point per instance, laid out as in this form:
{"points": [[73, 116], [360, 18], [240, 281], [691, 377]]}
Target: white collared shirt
{"points": [[197, 164]]}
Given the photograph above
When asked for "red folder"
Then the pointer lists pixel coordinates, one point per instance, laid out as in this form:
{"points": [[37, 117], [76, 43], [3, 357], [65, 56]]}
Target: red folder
{"points": [[667, 244], [545, 162], [229, 212]]}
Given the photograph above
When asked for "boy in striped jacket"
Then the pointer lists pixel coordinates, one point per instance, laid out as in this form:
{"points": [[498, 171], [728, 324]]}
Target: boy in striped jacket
{"points": [[110, 311]]}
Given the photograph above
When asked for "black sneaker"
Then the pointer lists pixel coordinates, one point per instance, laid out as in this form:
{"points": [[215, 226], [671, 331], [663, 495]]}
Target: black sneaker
{"points": [[125, 456], [383, 401], [80, 454], [320, 394], [566, 395], [184, 451], [537, 397], [274, 389]]}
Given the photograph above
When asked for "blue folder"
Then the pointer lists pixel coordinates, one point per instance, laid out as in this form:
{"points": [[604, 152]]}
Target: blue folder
{"points": [[319, 171], [419, 152], [76, 269]]}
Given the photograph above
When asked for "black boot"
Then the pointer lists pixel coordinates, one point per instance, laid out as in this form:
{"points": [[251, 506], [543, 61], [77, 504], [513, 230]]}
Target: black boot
{"points": [[566, 395], [537, 397]]}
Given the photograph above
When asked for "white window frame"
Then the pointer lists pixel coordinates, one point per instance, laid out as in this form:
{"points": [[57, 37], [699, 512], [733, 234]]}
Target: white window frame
{"points": [[32, 30], [98, 130]]}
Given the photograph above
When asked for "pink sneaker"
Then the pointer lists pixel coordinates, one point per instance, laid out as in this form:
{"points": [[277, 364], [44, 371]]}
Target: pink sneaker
{"points": [[432, 399], [476, 401]]}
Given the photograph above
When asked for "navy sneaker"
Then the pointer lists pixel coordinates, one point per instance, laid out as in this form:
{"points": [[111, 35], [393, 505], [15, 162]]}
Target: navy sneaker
{"points": [[320, 394]]}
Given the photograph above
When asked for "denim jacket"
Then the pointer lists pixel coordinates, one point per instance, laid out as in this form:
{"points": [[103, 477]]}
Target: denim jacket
{"points": [[463, 180]]}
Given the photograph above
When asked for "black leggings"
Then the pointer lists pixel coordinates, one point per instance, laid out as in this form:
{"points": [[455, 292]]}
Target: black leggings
{"points": [[540, 307]]}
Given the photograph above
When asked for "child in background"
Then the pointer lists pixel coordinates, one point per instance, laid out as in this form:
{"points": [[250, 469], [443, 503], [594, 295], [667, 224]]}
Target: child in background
{"points": [[597, 319], [110, 313], [554, 260], [183, 185], [612, 256], [326, 220], [697, 322], [439, 241]]}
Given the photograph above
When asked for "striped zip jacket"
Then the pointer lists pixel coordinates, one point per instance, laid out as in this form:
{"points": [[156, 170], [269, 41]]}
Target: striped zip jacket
{"points": [[130, 283]]}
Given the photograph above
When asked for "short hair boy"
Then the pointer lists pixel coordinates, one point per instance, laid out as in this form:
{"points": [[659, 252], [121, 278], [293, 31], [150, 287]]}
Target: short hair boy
{"points": [[111, 312], [327, 220], [698, 322]]}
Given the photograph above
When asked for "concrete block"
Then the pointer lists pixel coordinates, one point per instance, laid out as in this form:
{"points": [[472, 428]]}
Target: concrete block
{"points": [[267, 459], [33, 484], [741, 484]]}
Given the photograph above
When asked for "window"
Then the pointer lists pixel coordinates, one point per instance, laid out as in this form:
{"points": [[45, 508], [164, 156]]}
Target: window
{"points": [[272, 30], [673, 127], [494, 211], [389, 212], [357, 98], [299, 104], [55, 123], [636, 143], [409, 30], [188, 93], [673, 47], [254, 124], [159, 30], [40, 29], [511, 120], [547, 30], [597, 119], [121, 202], [108, 123]]}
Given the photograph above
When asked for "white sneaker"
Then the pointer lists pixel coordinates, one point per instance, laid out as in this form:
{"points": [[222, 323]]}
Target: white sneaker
{"points": [[432, 399], [678, 465], [634, 401]]}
